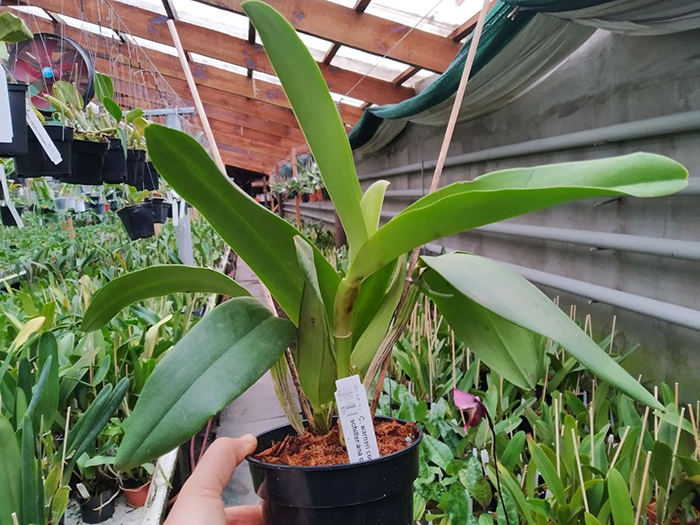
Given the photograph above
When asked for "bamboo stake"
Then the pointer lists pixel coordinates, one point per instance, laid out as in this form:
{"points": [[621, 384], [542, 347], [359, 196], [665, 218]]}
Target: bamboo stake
{"points": [[656, 418], [641, 442], [592, 431], [65, 443], [676, 394], [580, 471], [640, 501], [619, 448], [673, 466], [556, 434], [454, 363], [612, 334], [695, 430], [14, 519], [195, 95]]}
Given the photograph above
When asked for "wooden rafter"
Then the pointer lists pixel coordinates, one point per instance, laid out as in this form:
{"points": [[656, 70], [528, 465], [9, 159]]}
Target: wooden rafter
{"points": [[376, 35], [360, 7], [196, 39]]}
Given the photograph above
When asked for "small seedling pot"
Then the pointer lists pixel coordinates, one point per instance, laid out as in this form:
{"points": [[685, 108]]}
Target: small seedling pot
{"points": [[380, 491], [319, 195], [150, 177], [36, 163], [87, 162], [99, 508], [159, 209], [325, 193], [7, 218], [100, 208], [114, 170], [137, 221], [138, 496], [18, 115], [135, 160], [113, 206], [304, 197]]}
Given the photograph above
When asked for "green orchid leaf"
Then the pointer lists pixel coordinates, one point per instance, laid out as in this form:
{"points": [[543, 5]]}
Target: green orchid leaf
{"points": [[47, 406], [113, 109], [31, 508], [10, 473], [316, 112], [104, 88], [371, 205], [134, 114], [508, 349], [366, 305], [155, 281], [314, 351], [508, 295], [504, 194], [620, 502], [262, 239], [13, 30], [548, 471], [214, 363], [680, 492], [369, 342]]}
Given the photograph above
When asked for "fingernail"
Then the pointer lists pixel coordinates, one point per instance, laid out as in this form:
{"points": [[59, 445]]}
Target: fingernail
{"points": [[249, 438]]}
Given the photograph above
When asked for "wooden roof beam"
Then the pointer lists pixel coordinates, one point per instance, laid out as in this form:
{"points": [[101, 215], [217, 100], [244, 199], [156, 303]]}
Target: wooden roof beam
{"points": [[197, 39], [376, 35]]}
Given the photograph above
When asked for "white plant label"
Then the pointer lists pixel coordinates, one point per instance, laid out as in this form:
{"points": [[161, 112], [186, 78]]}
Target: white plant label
{"points": [[6, 133], [356, 420], [42, 136], [8, 200]]}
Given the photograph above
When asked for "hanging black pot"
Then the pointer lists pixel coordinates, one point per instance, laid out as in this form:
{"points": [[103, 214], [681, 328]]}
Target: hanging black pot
{"points": [[99, 508], [18, 115], [7, 218], [113, 205], [377, 492], [87, 162], [150, 177], [114, 171], [135, 160], [137, 221], [36, 163], [100, 208], [168, 209], [159, 209]]}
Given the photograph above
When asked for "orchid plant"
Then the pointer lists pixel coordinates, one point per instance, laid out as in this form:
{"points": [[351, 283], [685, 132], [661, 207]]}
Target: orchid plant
{"points": [[347, 324]]}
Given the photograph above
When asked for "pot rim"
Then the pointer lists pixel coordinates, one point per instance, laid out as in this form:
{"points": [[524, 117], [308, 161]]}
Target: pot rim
{"points": [[344, 466]]}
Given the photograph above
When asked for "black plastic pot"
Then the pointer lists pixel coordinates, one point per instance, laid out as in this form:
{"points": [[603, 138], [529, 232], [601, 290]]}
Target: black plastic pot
{"points": [[113, 205], [168, 209], [36, 163], [7, 218], [18, 115], [99, 508], [380, 491], [100, 208], [150, 177], [137, 221], [135, 160], [114, 171], [160, 210], [326, 195], [87, 162], [305, 197]]}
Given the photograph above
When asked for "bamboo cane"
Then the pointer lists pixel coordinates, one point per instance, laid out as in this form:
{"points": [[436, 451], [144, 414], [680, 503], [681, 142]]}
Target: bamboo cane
{"points": [[673, 465], [580, 471], [640, 501]]}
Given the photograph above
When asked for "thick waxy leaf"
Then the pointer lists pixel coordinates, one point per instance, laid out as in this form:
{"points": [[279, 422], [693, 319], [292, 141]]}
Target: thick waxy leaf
{"points": [[503, 346], [48, 404], [366, 305], [13, 29], [113, 109], [370, 340], [30, 509], [316, 112], [548, 470], [10, 477], [620, 502], [500, 195], [218, 360], [371, 205], [510, 296], [154, 282], [104, 88], [264, 240], [314, 353]]}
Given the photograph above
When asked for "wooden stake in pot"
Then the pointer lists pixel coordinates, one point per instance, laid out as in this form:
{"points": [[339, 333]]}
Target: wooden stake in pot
{"points": [[640, 501]]}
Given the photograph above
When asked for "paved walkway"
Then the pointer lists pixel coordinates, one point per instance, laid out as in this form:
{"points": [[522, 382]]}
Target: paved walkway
{"points": [[254, 412]]}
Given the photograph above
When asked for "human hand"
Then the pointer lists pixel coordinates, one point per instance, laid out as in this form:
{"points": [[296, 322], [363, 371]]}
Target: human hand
{"points": [[200, 501]]}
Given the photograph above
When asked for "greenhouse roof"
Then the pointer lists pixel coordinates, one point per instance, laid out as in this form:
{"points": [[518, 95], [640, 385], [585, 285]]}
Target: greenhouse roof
{"points": [[371, 52]]}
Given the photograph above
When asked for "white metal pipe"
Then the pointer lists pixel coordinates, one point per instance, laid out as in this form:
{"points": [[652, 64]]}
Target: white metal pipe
{"points": [[653, 127]]}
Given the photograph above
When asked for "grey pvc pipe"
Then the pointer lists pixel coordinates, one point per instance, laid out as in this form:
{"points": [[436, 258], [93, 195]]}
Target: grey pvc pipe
{"points": [[671, 248], [670, 313], [653, 127]]}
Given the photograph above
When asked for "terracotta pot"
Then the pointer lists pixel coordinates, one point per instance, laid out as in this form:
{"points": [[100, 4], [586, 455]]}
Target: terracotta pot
{"points": [[137, 497], [312, 197], [319, 195], [651, 515]]}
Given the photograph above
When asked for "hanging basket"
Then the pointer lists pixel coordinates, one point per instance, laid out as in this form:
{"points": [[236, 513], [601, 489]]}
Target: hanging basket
{"points": [[87, 162], [18, 115], [36, 163]]}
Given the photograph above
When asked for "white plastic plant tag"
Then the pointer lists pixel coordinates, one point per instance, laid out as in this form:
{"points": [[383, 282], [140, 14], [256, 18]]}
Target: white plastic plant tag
{"points": [[175, 213], [356, 420], [82, 491], [42, 136], [8, 201], [6, 133]]}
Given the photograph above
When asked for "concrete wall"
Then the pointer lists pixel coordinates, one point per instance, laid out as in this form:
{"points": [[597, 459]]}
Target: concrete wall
{"points": [[612, 79]]}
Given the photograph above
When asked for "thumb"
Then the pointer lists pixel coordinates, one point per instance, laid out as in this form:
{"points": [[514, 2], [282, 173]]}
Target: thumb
{"points": [[218, 464]]}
